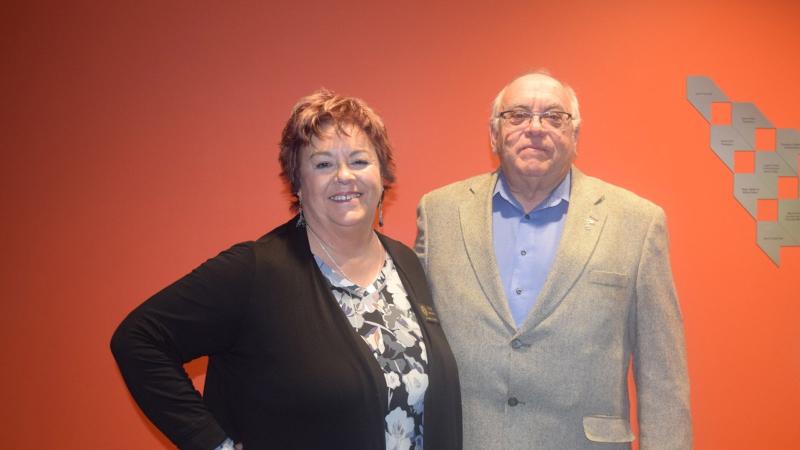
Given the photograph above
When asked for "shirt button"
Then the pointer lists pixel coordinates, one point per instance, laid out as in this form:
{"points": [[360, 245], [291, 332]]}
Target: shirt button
{"points": [[527, 217], [523, 253], [516, 343], [513, 401], [518, 291]]}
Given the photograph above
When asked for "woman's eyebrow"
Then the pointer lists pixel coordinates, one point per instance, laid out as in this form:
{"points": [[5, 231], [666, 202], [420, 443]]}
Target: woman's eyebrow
{"points": [[315, 153], [328, 153]]}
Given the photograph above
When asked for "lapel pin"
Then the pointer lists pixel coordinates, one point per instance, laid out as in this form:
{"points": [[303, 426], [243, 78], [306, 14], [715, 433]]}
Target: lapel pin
{"points": [[590, 221]]}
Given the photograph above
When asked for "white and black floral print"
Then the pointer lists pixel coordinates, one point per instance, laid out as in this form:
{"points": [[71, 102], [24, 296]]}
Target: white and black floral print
{"points": [[382, 315]]}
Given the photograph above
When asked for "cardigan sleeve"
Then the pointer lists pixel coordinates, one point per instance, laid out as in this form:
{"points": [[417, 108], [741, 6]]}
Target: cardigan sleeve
{"points": [[197, 315]]}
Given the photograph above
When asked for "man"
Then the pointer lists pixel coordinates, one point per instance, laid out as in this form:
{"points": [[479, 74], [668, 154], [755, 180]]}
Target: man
{"points": [[548, 283]]}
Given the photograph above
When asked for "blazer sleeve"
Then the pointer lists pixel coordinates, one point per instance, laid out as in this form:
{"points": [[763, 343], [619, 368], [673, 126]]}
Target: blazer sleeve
{"points": [[195, 316], [660, 371], [420, 243]]}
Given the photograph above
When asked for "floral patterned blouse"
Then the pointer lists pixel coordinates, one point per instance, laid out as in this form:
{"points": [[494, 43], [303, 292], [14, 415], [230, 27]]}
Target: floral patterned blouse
{"points": [[382, 315]]}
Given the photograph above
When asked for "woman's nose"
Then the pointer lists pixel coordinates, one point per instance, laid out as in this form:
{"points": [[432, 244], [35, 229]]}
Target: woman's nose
{"points": [[343, 173]]}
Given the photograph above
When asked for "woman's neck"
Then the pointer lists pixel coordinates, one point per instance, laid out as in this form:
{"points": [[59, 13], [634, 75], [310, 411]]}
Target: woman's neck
{"points": [[343, 241], [355, 252]]}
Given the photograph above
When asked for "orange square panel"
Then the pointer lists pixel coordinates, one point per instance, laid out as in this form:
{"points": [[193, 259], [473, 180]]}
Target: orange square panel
{"points": [[765, 139], [744, 162], [788, 188], [721, 113], [767, 210]]}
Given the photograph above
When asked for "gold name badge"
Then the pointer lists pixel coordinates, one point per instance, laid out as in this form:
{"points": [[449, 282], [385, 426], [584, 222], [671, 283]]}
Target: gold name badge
{"points": [[429, 314]]}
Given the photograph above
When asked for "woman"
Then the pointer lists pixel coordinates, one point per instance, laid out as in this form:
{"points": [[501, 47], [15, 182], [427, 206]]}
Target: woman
{"points": [[321, 334]]}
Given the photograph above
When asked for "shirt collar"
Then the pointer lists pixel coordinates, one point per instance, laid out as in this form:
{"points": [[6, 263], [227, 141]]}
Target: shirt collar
{"points": [[557, 195]]}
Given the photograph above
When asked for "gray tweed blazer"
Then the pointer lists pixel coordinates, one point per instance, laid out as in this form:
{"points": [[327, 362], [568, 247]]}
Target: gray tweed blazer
{"points": [[560, 381]]}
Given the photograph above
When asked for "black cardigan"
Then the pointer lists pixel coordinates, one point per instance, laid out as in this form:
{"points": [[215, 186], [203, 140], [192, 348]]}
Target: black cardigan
{"points": [[285, 368]]}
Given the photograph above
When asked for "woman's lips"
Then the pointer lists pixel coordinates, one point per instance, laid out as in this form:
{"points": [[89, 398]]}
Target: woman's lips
{"points": [[345, 197]]}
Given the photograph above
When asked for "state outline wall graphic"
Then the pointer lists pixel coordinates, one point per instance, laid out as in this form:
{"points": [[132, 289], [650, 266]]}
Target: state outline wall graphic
{"points": [[771, 165]]}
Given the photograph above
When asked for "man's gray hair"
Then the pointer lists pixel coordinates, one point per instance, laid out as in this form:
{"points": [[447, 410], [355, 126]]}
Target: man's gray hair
{"points": [[494, 119]]}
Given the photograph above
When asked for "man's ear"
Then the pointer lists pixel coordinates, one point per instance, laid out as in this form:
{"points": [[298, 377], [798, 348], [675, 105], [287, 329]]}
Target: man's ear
{"points": [[493, 140]]}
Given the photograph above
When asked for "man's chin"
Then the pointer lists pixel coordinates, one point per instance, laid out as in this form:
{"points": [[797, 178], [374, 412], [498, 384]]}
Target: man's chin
{"points": [[534, 168]]}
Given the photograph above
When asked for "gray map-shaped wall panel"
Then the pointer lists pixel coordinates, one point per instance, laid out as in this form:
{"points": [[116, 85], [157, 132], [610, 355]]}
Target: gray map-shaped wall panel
{"points": [[702, 92], [787, 145], [762, 184]]}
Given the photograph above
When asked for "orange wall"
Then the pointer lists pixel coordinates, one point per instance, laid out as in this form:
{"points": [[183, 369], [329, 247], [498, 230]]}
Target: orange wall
{"points": [[139, 140]]}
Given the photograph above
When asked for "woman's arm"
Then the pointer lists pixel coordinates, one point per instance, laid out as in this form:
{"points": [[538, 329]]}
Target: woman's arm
{"points": [[195, 316]]}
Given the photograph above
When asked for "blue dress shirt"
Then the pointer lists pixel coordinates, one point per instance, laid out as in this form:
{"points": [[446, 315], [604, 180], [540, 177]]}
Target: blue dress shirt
{"points": [[525, 243]]}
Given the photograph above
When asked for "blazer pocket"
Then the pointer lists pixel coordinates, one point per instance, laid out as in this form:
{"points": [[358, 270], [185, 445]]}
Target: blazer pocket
{"points": [[608, 278], [607, 429]]}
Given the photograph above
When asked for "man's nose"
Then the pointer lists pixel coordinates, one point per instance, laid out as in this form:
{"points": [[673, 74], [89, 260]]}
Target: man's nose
{"points": [[534, 124]]}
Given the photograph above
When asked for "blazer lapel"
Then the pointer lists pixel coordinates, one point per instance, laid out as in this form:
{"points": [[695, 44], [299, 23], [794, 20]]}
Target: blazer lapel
{"points": [[586, 217], [476, 227]]}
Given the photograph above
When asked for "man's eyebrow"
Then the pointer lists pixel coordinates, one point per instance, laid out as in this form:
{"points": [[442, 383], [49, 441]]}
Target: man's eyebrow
{"points": [[555, 106], [550, 107], [510, 107]]}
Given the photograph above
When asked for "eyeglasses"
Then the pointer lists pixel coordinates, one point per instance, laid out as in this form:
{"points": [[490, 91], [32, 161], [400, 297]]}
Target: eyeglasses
{"points": [[547, 119]]}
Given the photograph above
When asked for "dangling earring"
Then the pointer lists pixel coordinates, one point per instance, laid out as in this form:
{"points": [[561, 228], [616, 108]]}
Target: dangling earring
{"points": [[380, 211], [301, 220]]}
